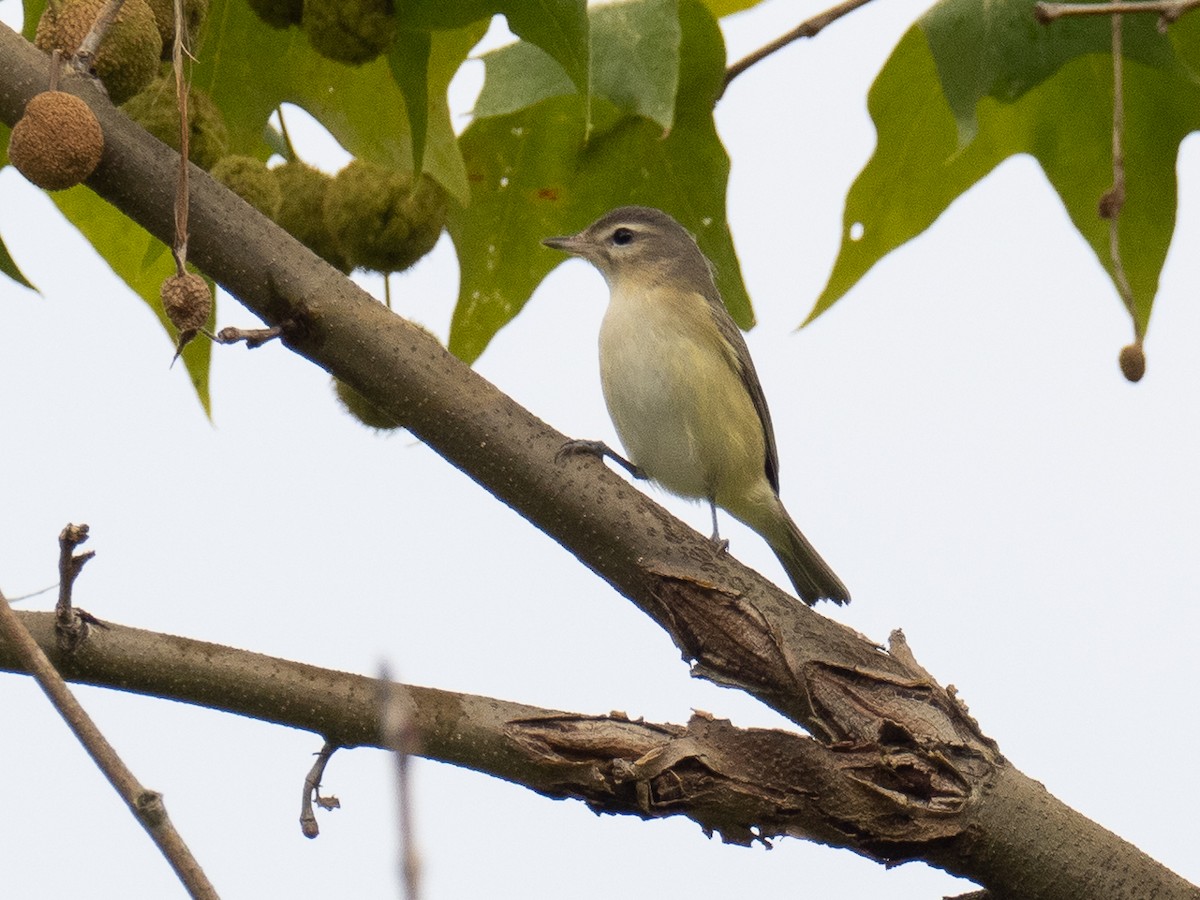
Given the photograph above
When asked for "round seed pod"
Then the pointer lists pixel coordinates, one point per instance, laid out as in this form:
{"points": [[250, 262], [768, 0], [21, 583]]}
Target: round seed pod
{"points": [[1133, 361], [301, 213], [349, 31], [359, 407], [155, 109], [250, 179], [57, 142], [128, 56], [278, 13], [188, 303], [383, 219]]}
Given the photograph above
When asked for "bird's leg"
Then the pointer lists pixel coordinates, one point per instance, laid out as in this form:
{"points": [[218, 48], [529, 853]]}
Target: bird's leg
{"points": [[601, 449], [722, 546]]}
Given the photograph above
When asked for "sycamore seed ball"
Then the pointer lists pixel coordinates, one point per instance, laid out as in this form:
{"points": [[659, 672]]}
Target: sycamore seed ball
{"points": [[129, 54], [194, 14], [278, 13], [249, 179], [301, 213], [1133, 361], [188, 303], [381, 218], [359, 407], [156, 110], [57, 143], [349, 31]]}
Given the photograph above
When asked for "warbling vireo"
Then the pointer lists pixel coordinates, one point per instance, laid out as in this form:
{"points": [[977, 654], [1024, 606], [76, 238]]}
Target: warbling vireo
{"points": [[681, 388]]}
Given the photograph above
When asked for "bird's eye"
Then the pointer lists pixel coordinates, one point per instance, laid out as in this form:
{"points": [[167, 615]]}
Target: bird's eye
{"points": [[622, 236]]}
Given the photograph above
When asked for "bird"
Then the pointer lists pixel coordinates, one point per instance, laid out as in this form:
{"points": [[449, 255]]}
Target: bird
{"points": [[681, 388]]}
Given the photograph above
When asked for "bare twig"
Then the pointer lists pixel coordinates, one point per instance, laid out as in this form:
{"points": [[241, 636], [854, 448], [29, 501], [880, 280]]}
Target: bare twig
{"points": [[254, 337], [56, 61], [86, 54], [72, 628], [806, 29], [146, 805], [1168, 10], [399, 733], [180, 244], [312, 792]]}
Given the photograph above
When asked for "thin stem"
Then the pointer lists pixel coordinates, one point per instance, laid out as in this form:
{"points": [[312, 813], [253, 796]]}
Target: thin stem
{"points": [[312, 792], [1168, 10], [146, 805], [86, 54], [399, 733], [180, 245], [806, 29]]}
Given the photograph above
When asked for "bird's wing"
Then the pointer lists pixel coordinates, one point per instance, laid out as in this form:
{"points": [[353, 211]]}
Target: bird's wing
{"points": [[744, 366]]}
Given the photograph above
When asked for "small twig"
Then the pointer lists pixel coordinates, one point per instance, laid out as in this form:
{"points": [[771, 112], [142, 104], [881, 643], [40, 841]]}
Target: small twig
{"points": [[56, 61], [146, 805], [806, 29], [86, 54], [71, 627], [180, 248], [398, 733], [312, 792], [23, 597], [1168, 10], [254, 337]]}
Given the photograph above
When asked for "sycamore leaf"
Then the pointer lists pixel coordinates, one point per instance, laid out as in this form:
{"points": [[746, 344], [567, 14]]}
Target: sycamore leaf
{"points": [[558, 27], [635, 65], [408, 58], [722, 8], [537, 172], [141, 261], [7, 264], [9, 267], [955, 99]]}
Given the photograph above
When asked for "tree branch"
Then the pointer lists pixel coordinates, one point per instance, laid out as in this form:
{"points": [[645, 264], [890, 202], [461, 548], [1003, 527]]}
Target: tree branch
{"points": [[747, 785], [910, 741]]}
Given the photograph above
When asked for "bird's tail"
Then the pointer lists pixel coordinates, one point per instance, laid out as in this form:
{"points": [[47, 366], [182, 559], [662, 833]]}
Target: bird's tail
{"points": [[811, 576]]}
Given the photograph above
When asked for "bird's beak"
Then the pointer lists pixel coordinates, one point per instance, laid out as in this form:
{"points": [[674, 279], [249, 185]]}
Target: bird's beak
{"points": [[573, 243]]}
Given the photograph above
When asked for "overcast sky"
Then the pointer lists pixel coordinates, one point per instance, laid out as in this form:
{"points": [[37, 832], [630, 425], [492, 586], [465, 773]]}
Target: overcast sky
{"points": [[955, 437]]}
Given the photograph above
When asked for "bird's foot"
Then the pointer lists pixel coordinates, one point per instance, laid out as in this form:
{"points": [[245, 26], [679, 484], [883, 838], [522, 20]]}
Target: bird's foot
{"points": [[600, 449]]}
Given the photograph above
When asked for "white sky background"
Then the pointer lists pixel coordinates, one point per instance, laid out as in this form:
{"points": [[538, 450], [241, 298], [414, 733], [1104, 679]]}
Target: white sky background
{"points": [[955, 437]]}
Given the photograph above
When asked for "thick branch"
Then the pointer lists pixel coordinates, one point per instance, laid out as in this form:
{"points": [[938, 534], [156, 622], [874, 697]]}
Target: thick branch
{"points": [[740, 630], [745, 784]]}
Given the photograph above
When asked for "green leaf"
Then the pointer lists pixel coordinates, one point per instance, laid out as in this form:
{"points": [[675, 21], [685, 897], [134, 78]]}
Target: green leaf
{"points": [[559, 27], [722, 8], [33, 12], [635, 64], [363, 107], [536, 173], [9, 267], [925, 158], [1000, 50], [409, 61], [142, 262]]}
